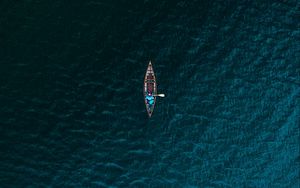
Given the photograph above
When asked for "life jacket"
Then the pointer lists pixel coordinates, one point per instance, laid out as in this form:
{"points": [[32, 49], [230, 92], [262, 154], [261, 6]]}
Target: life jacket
{"points": [[150, 99]]}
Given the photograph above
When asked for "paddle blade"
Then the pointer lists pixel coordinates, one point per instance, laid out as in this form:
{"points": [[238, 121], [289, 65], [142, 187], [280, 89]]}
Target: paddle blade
{"points": [[161, 95]]}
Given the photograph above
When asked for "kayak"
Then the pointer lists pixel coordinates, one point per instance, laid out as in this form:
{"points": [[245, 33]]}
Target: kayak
{"points": [[150, 89]]}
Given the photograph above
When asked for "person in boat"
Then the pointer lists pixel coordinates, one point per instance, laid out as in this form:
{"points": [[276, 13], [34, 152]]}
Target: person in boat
{"points": [[150, 99]]}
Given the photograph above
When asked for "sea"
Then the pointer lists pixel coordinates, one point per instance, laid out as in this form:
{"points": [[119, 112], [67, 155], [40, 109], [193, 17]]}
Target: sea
{"points": [[72, 110]]}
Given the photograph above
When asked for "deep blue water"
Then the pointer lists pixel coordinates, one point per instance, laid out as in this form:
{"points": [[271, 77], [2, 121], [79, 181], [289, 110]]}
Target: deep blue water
{"points": [[71, 103]]}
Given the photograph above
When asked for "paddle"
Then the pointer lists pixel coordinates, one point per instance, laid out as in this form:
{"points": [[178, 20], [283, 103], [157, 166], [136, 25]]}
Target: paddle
{"points": [[159, 95]]}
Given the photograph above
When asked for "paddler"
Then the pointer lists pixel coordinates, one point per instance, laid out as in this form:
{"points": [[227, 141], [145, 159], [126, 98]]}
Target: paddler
{"points": [[150, 99]]}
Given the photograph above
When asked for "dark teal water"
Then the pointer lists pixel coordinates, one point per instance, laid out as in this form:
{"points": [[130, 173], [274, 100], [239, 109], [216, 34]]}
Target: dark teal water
{"points": [[71, 104]]}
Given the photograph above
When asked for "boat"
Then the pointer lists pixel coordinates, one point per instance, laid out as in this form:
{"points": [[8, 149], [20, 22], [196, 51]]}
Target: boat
{"points": [[150, 88]]}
